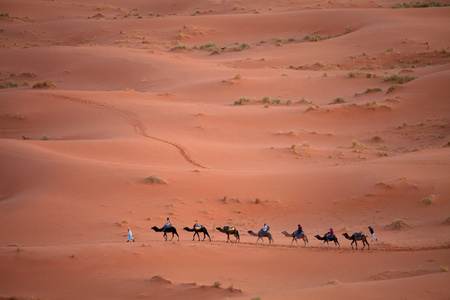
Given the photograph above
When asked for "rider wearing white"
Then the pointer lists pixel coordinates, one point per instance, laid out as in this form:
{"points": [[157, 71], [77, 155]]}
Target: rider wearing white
{"points": [[167, 225], [265, 228]]}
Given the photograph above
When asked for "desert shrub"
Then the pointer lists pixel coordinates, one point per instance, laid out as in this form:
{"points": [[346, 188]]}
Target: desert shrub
{"points": [[357, 146], [288, 102], [242, 101], [8, 85], [154, 179], [241, 47], [209, 47], [443, 268], [265, 99], [44, 84], [217, 284], [338, 100], [237, 77], [311, 107], [398, 78], [418, 4], [353, 74], [428, 200], [276, 101], [333, 281], [181, 47], [399, 224], [391, 88]]}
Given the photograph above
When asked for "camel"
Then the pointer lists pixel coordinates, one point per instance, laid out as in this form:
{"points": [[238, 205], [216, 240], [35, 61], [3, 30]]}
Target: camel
{"points": [[262, 234], [169, 229], [357, 236], [294, 237], [196, 232], [230, 230], [326, 238]]}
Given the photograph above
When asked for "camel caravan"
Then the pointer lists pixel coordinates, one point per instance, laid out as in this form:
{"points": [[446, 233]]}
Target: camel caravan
{"points": [[264, 233]]}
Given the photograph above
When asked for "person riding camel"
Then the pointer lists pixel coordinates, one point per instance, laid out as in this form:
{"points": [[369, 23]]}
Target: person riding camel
{"points": [[299, 231], [197, 226], [167, 225], [265, 228], [331, 232]]}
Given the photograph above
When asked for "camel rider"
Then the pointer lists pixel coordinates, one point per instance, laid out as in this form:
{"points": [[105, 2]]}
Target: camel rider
{"points": [[299, 231], [167, 225], [197, 226], [265, 228], [330, 233]]}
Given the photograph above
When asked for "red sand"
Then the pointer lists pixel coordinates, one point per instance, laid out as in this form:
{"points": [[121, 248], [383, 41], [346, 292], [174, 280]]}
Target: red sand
{"points": [[138, 94]]}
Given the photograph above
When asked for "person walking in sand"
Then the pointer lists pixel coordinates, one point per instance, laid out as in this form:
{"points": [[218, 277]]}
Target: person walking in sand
{"points": [[372, 234], [130, 235]]}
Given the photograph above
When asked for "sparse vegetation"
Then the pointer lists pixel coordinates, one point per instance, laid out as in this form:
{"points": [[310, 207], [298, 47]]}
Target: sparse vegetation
{"points": [[357, 146], [44, 84], [418, 4], [391, 88], [338, 100], [333, 281], [217, 284], [428, 200], [399, 224], [242, 101], [311, 107], [154, 179], [398, 78], [443, 268], [353, 74]]}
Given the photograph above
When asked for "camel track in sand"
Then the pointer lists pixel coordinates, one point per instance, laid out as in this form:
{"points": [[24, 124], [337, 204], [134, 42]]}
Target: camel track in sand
{"points": [[252, 245], [129, 117]]}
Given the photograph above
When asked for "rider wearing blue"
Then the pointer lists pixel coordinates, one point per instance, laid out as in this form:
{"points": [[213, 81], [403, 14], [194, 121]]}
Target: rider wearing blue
{"points": [[265, 228], [299, 231]]}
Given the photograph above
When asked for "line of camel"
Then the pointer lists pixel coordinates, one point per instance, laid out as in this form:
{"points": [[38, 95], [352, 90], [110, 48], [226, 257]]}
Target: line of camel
{"points": [[232, 231]]}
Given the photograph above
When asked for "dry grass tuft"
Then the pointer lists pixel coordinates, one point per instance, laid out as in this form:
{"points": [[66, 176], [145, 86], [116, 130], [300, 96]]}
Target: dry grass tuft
{"points": [[333, 281], [399, 224], [217, 284], [154, 179], [338, 100], [443, 268], [428, 200], [398, 78], [44, 84]]}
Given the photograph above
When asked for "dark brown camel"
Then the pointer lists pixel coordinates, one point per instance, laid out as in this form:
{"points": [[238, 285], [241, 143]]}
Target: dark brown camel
{"points": [[170, 229], [357, 236], [326, 238], [196, 231], [262, 234], [230, 230], [295, 238]]}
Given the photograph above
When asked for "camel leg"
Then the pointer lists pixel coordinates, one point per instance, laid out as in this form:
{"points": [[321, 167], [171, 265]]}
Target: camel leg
{"points": [[352, 244], [208, 237], [165, 236]]}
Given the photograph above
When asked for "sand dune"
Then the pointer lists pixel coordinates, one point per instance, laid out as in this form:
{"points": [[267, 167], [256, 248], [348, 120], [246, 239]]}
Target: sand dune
{"points": [[319, 113]]}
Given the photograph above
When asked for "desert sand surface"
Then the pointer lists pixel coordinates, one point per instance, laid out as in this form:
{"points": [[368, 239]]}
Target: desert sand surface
{"points": [[233, 113]]}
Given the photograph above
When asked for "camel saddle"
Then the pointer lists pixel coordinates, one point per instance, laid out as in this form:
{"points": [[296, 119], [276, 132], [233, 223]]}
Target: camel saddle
{"points": [[229, 228], [198, 227], [358, 234]]}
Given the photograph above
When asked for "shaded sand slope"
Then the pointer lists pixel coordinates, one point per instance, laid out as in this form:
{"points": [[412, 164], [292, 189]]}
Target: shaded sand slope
{"points": [[249, 113]]}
